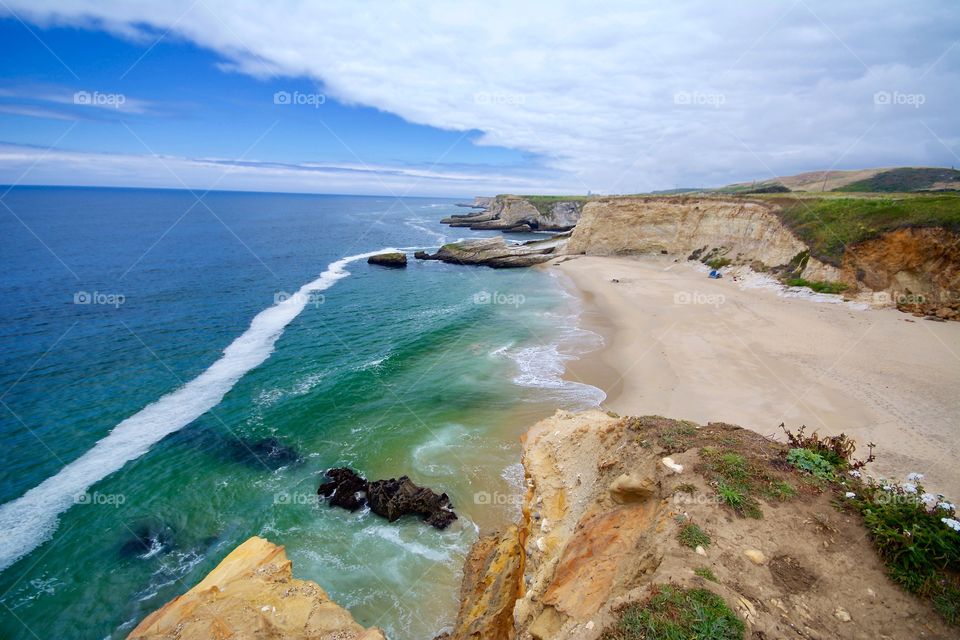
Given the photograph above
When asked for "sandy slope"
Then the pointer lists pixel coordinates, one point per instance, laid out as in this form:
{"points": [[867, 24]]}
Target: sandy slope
{"points": [[750, 357]]}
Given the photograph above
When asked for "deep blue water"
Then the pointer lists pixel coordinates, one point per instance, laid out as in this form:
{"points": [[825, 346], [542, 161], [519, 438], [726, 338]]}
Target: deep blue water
{"points": [[114, 299]]}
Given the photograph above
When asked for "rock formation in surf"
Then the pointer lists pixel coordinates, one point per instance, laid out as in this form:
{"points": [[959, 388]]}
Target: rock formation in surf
{"points": [[498, 253], [391, 498], [519, 213], [393, 259]]}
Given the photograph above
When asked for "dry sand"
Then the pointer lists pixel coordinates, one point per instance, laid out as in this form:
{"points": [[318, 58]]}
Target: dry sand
{"points": [[680, 345]]}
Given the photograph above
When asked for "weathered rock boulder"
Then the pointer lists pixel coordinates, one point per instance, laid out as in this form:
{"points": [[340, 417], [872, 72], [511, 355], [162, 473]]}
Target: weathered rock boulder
{"points": [[498, 253], [393, 259], [252, 594], [391, 498], [398, 497], [345, 488]]}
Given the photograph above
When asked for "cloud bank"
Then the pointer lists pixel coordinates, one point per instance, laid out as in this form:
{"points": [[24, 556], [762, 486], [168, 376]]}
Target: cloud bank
{"points": [[615, 97]]}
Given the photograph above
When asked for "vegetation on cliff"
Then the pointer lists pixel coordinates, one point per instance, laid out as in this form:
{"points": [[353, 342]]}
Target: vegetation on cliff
{"points": [[828, 224], [905, 179]]}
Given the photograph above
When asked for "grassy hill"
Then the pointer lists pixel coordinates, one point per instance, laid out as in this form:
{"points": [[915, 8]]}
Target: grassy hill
{"points": [[907, 179]]}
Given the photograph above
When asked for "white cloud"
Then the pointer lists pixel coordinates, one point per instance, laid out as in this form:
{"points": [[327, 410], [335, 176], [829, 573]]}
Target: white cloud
{"points": [[616, 96]]}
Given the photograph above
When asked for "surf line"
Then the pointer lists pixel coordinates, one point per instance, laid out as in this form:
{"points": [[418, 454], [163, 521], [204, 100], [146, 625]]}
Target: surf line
{"points": [[30, 520]]}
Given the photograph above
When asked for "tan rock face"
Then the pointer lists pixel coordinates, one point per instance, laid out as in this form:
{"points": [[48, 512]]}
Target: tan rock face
{"points": [[252, 594], [744, 230], [907, 262]]}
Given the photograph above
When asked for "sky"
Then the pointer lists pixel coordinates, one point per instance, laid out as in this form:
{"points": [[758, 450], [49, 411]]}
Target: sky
{"points": [[471, 98]]}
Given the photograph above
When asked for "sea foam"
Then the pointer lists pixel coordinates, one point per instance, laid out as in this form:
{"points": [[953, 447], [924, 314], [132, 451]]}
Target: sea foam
{"points": [[32, 518]]}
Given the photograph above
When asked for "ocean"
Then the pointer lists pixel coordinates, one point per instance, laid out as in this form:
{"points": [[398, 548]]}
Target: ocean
{"points": [[176, 373]]}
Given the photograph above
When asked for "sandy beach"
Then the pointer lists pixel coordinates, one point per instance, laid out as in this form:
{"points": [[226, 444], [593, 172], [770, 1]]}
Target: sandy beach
{"points": [[683, 346]]}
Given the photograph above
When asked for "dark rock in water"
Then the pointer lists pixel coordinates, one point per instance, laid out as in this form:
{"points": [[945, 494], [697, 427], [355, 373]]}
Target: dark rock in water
{"points": [[396, 260], [346, 488], [394, 498], [146, 540], [269, 452], [391, 498], [421, 255]]}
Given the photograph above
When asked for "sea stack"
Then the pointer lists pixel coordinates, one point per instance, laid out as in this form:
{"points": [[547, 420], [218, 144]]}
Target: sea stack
{"points": [[395, 260]]}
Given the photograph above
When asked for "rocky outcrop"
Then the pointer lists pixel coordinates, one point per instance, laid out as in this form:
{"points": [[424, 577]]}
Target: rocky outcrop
{"points": [[600, 530], [393, 259], [392, 498], [516, 213], [252, 594], [739, 230], [498, 253]]}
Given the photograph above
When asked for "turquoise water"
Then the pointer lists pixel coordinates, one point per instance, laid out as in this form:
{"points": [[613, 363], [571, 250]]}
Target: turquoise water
{"points": [[165, 396]]}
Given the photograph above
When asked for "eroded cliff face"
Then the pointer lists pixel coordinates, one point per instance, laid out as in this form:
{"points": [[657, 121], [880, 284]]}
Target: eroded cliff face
{"points": [[253, 594], [913, 266], [600, 530], [735, 229]]}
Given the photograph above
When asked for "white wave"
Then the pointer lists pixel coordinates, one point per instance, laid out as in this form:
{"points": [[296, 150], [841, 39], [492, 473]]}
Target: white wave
{"points": [[417, 223], [391, 534], [32, 518]]}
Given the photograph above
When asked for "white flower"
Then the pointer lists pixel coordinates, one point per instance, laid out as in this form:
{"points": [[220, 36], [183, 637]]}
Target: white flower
{"points": [[909, 488], [887, 487], [929, 500], [947, 506], [914, 477], [950, 522], [851, 494], [854, 473]]}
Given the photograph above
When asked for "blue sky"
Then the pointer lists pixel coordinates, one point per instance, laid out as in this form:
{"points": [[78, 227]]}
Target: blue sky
{"points": [[428, 99]]}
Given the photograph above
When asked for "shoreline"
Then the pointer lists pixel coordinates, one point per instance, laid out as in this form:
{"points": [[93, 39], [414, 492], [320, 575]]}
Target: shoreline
{"points": [[680, 345]]}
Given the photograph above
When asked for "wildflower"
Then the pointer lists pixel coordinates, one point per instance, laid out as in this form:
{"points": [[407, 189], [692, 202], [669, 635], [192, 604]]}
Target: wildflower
{"points": [[929, 500], [851, 494], [914, 477], [909, 488], [854, 473], [952, 523], [946, 506]]}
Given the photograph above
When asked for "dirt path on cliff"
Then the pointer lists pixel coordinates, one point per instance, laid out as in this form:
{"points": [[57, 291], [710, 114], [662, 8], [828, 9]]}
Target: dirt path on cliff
{"points": [[681, 345]]}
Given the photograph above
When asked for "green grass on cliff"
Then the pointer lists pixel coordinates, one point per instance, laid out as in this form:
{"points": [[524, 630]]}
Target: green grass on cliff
{"points": [[673, 613], [828, 224]]}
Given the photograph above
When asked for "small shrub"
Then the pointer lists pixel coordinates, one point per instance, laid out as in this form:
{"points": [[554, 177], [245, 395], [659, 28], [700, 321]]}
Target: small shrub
{"points": [[820, 286], [691, 535], [706, 574], [717, 263], [838, 450], [780, 490], [813, 463], [672, 613], [920, 551]]}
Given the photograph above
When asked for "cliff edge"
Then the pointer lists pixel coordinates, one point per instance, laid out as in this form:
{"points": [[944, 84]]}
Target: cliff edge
{"points": [[252, 594]]}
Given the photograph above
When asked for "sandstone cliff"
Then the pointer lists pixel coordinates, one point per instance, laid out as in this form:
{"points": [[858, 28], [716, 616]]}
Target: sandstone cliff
{"points": [[600, 530], [918, 266], [253, 594], [517, 213]]}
